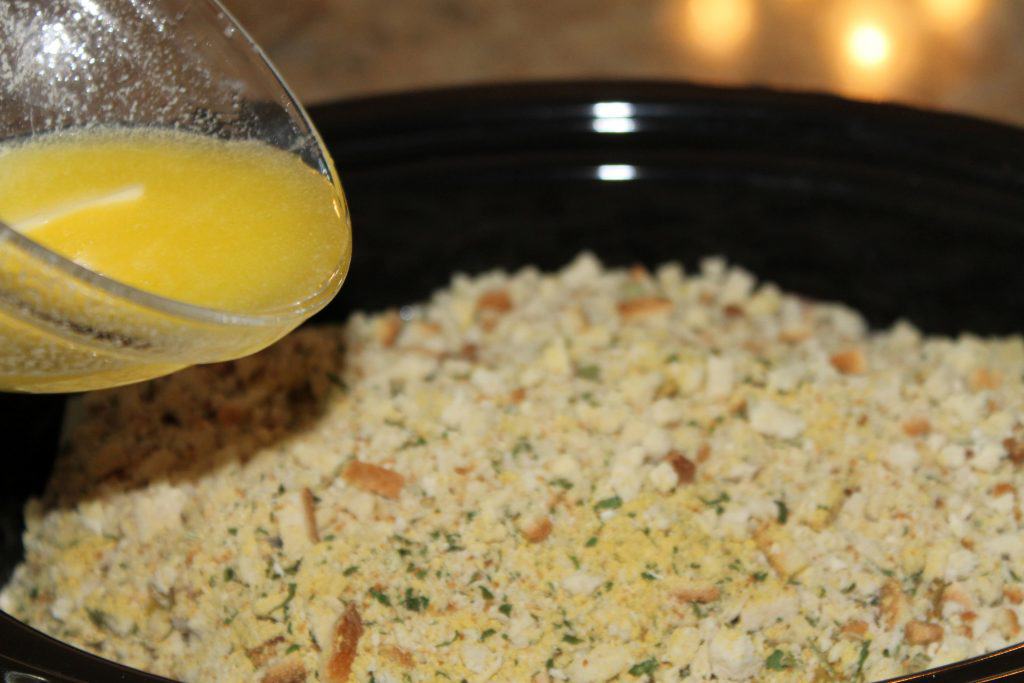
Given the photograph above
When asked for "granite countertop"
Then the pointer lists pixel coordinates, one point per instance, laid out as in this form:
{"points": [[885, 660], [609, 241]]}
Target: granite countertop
{"points": [[958, 55]]}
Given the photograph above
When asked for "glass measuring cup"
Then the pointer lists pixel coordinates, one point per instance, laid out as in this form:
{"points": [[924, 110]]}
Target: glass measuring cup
{"points": [[182, 65]]}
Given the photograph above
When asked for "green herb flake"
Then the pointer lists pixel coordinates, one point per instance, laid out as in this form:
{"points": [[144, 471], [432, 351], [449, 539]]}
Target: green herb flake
{"points": [[450, 640], [292, 648], [644, 668], [412, 443], [522, 446], [415, 603], [571, 639], [380, 597], [591, 542], [783, 515], [717, 503], [97, 616], [561, 483], [759, 576], [613, 503], [229, 574], [863, 657], [291, 596], [505, 609], [779, 661], [349, 571], [589, 372], [488, 595], [649, 576], [487, 634], [454, 543]]}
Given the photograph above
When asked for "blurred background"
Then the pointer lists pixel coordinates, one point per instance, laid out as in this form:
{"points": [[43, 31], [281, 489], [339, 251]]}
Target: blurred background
{"points": [[958, 55]]}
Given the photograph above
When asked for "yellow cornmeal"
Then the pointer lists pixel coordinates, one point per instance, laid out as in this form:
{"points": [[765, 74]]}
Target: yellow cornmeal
{"points": [[592, 475]]}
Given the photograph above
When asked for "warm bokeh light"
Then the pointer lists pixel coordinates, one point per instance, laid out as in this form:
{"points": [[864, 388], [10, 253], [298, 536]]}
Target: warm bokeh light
{"points": [[869, 46], [717, 28], [875, 46], [952, 15]]}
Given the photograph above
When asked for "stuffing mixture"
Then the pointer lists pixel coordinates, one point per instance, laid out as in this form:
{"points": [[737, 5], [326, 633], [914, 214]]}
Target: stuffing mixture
{"points": [[593, 475]]}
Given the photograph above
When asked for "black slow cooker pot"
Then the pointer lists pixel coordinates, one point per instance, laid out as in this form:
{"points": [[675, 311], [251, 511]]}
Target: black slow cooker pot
{"points": [[897, 212]]}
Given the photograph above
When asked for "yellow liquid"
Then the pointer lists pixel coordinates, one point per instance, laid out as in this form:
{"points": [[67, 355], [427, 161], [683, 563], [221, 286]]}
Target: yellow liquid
{"points": [[240, 227], [237, 226]]}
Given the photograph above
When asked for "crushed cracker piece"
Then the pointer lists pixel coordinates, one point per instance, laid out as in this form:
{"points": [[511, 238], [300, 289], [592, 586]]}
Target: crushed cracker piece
{"points": [[309, 507], [685, 469], [288, 670], [539, 530], [265, 651], [344, 645], [1003, 488], [374, 478], [984, 378], [1015, 450], [922, 632], [641, 307], [496, 301], [855, 628], [699, 593], [387, 329], [850, 362], [916, 426], [396, 654], [892, 604]]}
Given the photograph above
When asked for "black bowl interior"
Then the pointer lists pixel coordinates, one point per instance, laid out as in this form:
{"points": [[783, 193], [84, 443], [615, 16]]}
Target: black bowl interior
{"points": [[897, 212]]}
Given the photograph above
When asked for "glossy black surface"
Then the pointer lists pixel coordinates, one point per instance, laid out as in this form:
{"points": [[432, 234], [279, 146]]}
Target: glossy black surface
{"points": [[894, 211]]}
